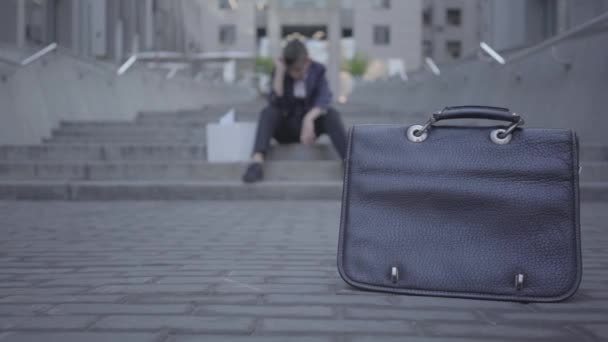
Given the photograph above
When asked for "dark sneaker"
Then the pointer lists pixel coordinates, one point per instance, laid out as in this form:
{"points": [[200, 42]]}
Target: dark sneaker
{"points": [[254, 173]]}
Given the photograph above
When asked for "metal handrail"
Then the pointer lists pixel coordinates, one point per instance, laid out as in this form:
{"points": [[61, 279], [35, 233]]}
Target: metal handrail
{"points": [[432, 65], [490, 51], [46, 50], [126, 65], [558, 38]]}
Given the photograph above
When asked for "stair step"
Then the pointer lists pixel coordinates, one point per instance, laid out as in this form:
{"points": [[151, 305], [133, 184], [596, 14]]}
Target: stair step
{"points": [[201, 171], [126, 139], [102, 152], [109, 191], [322, 150], [124, 129], [349, 118], [594, 153], [116, 190], [594, 171], [594, 192]]}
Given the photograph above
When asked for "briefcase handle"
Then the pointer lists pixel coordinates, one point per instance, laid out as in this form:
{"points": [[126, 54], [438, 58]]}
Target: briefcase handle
{"points": [[476, 112], [419, 133]]}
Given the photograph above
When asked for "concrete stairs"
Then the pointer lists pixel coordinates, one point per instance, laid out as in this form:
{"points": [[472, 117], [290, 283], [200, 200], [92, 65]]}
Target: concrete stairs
{"points": [[162, 156]]}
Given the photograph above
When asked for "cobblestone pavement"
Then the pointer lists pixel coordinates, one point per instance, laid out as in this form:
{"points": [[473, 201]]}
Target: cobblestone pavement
{"points": [[234, 271]]}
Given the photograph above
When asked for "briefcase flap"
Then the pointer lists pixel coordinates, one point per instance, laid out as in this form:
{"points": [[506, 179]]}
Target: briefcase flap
{"points": [[460, 214]]}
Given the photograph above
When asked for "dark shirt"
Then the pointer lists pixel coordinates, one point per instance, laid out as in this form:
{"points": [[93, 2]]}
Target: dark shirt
{"points": [[317, 92]]}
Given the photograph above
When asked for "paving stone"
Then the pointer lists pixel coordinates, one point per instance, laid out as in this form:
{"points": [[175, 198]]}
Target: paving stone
{"points": [[183, 323], [96, 281], [207, 299], [22, 309], [103, 309], [493, 330], [572, 317], [152, 288], [160, 268], [34, 270], [61, 299], [413, 315], [14, 284], [573, 305], [335, 326], [220, 338], [266, 310], [421, 339], [39, 291], [365, 299], [303, 280], [456, 303], [274, 288], [599, 330], [79, 337], [45, 322], [209, 280]]}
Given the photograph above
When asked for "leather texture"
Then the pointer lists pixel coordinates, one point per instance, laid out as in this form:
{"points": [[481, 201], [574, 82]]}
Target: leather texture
{"points": [[476, 112], [461, 216]]}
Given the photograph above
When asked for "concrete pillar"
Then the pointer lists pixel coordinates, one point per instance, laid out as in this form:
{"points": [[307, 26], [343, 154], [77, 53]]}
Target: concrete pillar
{"points": [[274, 29], [21, 25], [562, 16], [76, 27], [130, 22], [334, 46], [149, 26], [118, 41]]}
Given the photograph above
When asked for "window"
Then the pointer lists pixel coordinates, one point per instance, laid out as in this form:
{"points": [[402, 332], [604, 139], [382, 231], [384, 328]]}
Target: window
{"points": [[382, 4], [427, 48], [427, 17], [227, 34], [454, 48], [453, 17], [382, 35], [228, 4]]}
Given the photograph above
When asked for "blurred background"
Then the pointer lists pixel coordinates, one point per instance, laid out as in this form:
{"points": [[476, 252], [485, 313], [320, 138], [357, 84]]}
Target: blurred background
{"points": [[133, 81]]}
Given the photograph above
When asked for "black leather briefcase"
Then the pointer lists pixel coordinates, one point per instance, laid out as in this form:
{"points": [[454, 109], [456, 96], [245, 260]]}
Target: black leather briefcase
{"points": [[462, 211]]}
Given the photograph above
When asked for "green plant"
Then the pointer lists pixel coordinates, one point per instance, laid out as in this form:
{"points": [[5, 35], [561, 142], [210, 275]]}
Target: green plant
{"points": [[356, 66], [264, 65]]}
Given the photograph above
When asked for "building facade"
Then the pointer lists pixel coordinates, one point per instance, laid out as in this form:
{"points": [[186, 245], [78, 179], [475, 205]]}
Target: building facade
{"points": [[105, 29], [519, 23], [451, 29], [445, 30]]}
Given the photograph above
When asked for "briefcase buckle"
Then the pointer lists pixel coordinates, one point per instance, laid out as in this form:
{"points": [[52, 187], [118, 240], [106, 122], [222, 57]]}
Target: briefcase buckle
{"points": [[519, 282], [394, 275]]}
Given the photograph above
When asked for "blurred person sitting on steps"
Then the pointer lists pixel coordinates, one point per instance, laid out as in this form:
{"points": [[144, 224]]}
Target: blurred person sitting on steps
{"points": [[299, 108]]}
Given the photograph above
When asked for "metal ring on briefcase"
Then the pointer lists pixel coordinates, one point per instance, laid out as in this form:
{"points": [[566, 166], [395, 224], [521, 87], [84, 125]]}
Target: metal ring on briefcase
{"points": [[501, 136], [414, 130]]}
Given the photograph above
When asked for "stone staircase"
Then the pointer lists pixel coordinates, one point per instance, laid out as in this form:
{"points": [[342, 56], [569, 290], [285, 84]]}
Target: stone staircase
{"points": [[162, 156]]}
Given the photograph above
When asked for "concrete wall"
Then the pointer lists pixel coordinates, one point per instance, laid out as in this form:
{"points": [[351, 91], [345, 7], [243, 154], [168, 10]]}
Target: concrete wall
{"points": [[504, 23], [518, 23], [404, 19], [8, 21], [539, 87], [35, 98], [581, 10]]}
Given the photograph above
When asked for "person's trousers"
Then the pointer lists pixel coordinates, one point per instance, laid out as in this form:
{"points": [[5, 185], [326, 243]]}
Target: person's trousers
{"points": [[286, 129]]}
